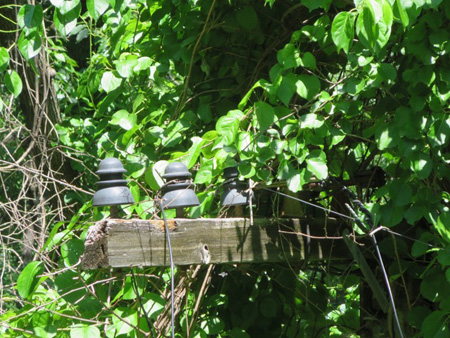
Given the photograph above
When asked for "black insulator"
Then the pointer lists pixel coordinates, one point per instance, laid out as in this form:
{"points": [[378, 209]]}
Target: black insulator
{"points": [[234, 191], [112, 188], [178, 192]]}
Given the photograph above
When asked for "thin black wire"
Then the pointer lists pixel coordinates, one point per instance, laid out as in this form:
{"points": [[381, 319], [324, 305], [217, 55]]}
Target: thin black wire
{"points": [[136, 290], [386, 279], [311, 204], [411, 239], [172, 282]]}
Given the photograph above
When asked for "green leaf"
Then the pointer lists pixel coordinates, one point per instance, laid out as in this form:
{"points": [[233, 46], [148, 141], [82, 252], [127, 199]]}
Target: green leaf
{"points": [[387, 71], [444, 256], [316, 162], [246, 169], [84, 331], [433, 3], [298, 179], [194, 152], [308, 61], [314, 4], [125, 67], [442, 225], [66, 15], [227, 126], [422, 166], [29, 45], [71, 251], [260, 84], [204, 113], [311, 121], [110, 82], [154, 306], [96, 8], [401, 6], [265, 115], [244, 144], [212, 325], [247, 18], [153, 175], [435, 325], [421, 246], [373, 25], [124, 119], [287, 88], [342, 31], [143, 63], [4, 59], [401, 192], [366, 28], [204, 174], [68, 6], [391, 215], [30, 16], [308, 86], [13, 82], [49, 331], [129, 314], [289, 56], [27, 281], [384, 138]]}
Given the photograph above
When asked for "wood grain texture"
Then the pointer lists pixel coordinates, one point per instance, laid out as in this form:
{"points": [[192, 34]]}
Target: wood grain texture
{"points": [[221, 240]]}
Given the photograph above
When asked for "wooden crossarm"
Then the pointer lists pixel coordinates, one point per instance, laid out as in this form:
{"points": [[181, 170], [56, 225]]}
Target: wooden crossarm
{"points": [[124, 243]]}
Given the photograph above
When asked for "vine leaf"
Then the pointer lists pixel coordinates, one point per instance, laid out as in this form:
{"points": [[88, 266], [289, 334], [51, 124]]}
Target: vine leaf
{"points": [[289, 56], [110, 82], [96, 8], [4, 58], [13, 82], [308, 86], [29, 44], [84, 332], [30, 16], [342, 31], [317, 163], [265, 114], [442, 226], [27, 280]]}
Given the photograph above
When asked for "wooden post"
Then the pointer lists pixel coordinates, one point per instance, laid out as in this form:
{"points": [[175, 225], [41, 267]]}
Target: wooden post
{"points": [[124, 243]]}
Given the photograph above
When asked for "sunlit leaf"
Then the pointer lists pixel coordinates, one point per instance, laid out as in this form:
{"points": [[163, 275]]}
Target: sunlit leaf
{"points": [[317, 163], [84, 331], [27, 280], [110, 82], [96, 8], [342, 30], [4, 58], [265, 114], [13, 82], [29, 45], [307, 86], [30, 16]]}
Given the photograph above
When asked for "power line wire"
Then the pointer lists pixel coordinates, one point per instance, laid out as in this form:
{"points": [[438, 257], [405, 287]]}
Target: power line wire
{"points": [[310, 204]]}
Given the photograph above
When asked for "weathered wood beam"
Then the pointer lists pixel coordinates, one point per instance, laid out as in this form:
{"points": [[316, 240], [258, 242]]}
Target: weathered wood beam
{"points": [[124, 243]]}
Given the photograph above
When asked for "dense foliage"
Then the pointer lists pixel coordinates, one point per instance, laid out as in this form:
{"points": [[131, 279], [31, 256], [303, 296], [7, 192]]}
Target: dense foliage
{"points": [[292, 92]]}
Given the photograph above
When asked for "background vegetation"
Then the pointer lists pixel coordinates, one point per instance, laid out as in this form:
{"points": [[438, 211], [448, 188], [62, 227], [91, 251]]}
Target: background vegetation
{"points": [[293, 92]]}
